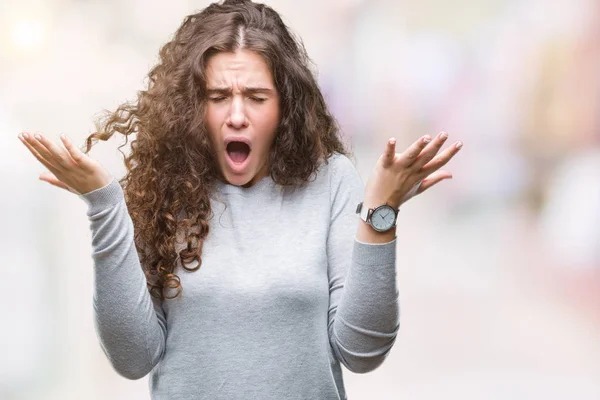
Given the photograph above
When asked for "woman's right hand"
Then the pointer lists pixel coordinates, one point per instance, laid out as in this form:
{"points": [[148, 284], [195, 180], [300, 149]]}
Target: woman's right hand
{"points": [[69, 167]]}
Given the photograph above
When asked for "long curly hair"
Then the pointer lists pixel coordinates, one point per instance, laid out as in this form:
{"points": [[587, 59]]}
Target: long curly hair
{"points": [[171, 170]]}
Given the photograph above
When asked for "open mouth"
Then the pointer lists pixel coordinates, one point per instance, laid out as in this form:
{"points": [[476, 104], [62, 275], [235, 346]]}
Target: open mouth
{"points": [[238, 151]]}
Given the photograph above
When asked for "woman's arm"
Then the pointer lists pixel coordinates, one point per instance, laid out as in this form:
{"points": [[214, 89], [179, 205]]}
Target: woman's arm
{"points": [[131, 327], [130, 324], [364, 311], [363, 295]]}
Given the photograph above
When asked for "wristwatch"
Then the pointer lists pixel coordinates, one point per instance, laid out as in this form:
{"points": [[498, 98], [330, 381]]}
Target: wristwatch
{"points": [[382, 218]]}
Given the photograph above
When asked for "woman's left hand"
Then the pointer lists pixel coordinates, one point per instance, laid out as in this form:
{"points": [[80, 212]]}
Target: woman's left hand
{"points": [[399, 176]]}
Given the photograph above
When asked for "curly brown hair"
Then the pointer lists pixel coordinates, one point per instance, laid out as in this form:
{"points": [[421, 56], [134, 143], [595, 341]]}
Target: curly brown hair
{"points": [[171, 169]]}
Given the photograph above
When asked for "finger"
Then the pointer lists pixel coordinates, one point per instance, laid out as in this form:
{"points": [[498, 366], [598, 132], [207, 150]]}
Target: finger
{"points": [[51, 179], [441, 159], [431, 150], [410, 155], [433, 179], [26, 139], [390, 152], [76, 154], [57, 155]]}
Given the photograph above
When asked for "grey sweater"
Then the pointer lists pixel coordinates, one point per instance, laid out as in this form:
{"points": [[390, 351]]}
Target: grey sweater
{"points": [[284, 295]]}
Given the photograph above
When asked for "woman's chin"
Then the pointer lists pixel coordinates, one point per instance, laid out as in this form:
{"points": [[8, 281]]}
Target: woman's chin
{"points": [[243, 178], [239, 181]]}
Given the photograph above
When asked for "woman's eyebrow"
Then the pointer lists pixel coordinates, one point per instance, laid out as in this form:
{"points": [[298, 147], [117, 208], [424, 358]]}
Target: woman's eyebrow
{"points": [[224, 90]]}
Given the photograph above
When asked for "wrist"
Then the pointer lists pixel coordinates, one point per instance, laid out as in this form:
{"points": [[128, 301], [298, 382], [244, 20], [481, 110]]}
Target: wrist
{"points": [[366, 234]]}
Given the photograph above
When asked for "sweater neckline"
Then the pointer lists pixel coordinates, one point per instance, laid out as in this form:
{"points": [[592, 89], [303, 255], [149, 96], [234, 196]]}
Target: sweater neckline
{"points": [[264, 184]]}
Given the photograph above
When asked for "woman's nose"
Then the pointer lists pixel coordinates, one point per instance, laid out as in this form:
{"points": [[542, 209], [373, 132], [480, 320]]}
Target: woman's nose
{"points": [[237, 116]]}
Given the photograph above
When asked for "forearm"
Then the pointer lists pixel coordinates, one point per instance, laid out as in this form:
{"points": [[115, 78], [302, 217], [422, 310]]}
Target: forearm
{"points": [[367, 317], [129, 330]]}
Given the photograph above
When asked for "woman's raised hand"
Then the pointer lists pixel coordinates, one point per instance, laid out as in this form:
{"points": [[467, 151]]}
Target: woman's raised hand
{"points": [[399, 176], [69, 167]]}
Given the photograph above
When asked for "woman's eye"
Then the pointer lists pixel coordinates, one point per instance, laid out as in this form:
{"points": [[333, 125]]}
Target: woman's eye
{"points": [[258, 99], [217, 99]]}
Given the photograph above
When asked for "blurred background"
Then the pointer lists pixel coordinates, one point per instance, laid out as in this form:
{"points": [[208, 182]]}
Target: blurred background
{"points": [[499, 268]]}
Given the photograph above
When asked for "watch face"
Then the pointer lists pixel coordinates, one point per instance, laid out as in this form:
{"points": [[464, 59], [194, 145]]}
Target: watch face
{"points": [[383, 218]]}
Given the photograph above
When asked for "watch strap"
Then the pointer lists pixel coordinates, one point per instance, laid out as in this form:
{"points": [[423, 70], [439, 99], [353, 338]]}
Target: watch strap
{"points": [[363, 212]]}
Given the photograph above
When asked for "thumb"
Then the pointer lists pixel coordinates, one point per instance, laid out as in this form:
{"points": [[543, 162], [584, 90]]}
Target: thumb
{"points": [[53, 180]]}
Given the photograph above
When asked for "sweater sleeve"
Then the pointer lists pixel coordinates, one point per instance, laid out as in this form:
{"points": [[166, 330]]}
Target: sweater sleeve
{"points": [[130, 324], [363, 295]]}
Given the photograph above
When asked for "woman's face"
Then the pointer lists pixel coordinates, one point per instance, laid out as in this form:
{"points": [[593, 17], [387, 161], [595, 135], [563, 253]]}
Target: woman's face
{"points": [[242, 114]]}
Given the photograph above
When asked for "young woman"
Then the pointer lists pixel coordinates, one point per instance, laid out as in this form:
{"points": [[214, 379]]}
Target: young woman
{"points": [[241, 257]]}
